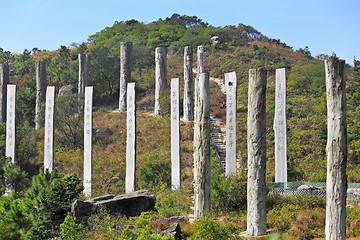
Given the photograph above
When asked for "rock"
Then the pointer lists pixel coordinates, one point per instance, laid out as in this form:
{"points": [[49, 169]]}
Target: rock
{"points": [[171, 219], [354, 191], [215, 41], [307, 187], [67, 90], [81, 210], [174, 231], [119, 227], [130, 205]]}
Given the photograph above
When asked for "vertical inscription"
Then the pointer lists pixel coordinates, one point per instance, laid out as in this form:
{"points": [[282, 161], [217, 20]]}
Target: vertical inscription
{"points": [[230, 82], [175, 134], [131, 140], [49, 129], [280, 127], [10, 122], [88, 140]]}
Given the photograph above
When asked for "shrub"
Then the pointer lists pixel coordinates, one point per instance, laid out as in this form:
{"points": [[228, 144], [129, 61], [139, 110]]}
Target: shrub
{"points": [[228, 194], [172, 203], [207, 228], [153, 172]]}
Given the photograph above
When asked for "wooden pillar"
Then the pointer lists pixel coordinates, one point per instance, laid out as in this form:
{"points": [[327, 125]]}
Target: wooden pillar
{"points": [[125, 72], [200, 60], [4, 80], [83, 72], [202, 148], [188, 84], [256, 141], [40, 91], [336, 149], [160, 76]]}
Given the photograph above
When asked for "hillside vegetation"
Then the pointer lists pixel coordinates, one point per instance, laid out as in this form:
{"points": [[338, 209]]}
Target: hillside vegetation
{"points": [[32, 212]]}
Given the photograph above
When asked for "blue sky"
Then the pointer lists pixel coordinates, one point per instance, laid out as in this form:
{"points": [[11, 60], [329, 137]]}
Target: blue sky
{"points": [[325, 26]]}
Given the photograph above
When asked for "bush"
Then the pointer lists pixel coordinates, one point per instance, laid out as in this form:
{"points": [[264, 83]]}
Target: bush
{"points": [[172, 203], [228, 194], [207, 228], [155, 171], [70, 230]]}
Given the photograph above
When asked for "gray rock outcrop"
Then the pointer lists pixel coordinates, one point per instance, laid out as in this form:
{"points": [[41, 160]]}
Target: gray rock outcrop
{"points": [[130, 204], [67, 90], [174, 231]]}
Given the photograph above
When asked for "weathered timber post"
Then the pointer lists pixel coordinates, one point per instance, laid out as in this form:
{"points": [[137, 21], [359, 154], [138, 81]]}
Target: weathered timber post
{"points": [[280, 127], [336, 149], [175, 135], [160, 76], [202, 149], [125, 72], [83, 72], [188, 84], [40, 69], [130, 140], [200, 60], [200, 69], [4, 80], [230, 83], [88, 140], [256, 141], [195, 122], [49, 129]]}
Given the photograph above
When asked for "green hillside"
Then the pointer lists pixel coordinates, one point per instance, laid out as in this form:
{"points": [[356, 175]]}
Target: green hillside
{"points": [[242, 48]]}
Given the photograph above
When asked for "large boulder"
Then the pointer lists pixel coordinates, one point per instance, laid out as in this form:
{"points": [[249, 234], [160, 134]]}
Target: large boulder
{"points": [[67, 90], [130, 205]]}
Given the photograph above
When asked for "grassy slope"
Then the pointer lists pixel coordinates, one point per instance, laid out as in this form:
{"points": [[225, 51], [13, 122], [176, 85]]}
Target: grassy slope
{"points": [[306, 151]]}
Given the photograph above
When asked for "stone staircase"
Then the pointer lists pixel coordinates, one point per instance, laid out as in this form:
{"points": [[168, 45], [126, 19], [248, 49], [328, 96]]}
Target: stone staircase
{"points": [[218, 139], [218, 130]]}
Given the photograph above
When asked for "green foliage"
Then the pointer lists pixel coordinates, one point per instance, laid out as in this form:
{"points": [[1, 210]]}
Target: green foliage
{"points": [[39, 213], [25, 104], [17, 174], [63, 69], [171, 203], [24, 65], [68, 121], [228, 194], [13, 177], [302, 216], [143, 229], [104, 73], [207, 228], [154, 171], [70, 230], [305, 52], [353, 221], [308, 78], [5, 56]]}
